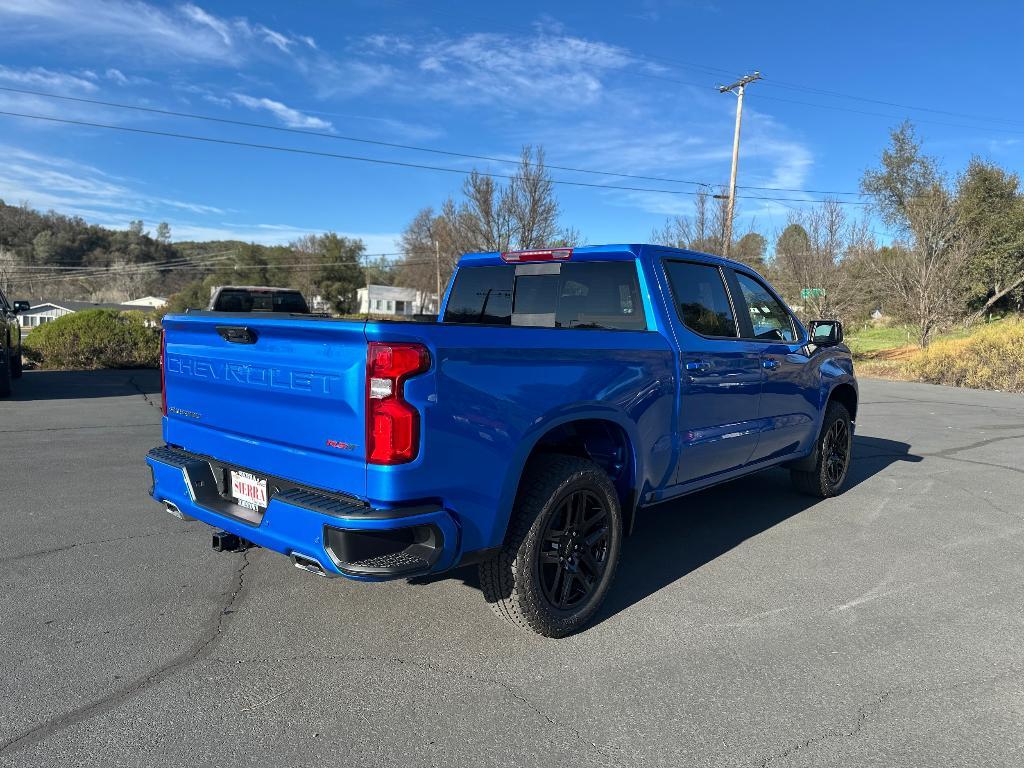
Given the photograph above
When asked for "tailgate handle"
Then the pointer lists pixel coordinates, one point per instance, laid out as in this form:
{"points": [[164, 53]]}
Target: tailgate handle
{"points": [[237, 334]]}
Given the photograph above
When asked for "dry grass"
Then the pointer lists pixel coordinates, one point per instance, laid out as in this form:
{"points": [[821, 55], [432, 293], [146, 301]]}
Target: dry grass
{"points": [[990, 358]]}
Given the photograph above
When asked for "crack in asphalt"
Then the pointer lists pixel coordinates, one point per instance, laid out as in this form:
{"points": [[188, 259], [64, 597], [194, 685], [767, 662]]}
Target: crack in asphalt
{"points": [[509, 688], [66, 547], [949, 453], [145, 395], [86, 426], [864, 711], [858, 725], [205, 643], [900, 400]]}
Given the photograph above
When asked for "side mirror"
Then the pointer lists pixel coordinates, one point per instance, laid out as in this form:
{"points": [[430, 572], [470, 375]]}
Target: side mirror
{"points": [[21, 306], [825, 333]]}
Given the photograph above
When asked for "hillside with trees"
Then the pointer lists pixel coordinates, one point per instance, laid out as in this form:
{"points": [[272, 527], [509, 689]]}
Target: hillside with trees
{"points": [[52, 256]]}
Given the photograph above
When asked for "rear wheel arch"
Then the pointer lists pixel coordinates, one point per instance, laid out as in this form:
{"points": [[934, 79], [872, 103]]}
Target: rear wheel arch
{"points": [[605, 441]]}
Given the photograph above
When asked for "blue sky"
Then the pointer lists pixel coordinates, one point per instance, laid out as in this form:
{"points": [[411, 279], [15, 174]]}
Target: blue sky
{"points": [[620, 87]]}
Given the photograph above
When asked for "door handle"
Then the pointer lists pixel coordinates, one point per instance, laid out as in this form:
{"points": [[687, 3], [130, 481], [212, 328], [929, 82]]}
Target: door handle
{"points": [[770, 365], [699, 366]]}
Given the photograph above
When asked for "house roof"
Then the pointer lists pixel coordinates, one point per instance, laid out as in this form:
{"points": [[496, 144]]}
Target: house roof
{"points": [[78, 306], [392, 292]]}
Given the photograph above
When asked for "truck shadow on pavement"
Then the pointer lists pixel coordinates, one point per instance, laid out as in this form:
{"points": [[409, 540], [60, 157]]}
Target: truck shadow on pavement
{"points": [[679, 536], [72, 385]]}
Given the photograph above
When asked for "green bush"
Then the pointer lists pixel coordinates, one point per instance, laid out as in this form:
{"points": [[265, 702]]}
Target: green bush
{"points": [[95, 338], [990, 358]]}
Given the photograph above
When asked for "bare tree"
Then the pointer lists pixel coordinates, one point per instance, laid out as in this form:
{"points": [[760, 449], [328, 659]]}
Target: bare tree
{"points": [[428, 243], [925, 278], [489, 217], [123, 282], [703, 231], [530, 198]]}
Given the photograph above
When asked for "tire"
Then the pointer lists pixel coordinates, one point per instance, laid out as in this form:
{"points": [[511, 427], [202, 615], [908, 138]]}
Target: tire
{"points": [[833, 454], [567, 515], [17, 365], [5, 376]]}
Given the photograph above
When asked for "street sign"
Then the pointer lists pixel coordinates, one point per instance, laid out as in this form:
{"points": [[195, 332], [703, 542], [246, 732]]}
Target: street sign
{"points": [[812, 293]]}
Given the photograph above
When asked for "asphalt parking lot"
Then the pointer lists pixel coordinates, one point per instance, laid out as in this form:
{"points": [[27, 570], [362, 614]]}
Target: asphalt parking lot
{"points": [[749, 626]]}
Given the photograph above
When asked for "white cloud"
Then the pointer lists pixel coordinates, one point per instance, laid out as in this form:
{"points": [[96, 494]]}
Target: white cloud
{"points": [[75, 188], [39, 77], [202, 18], [276, 39], [536, 74], [290, 117], [117, 76], [185, 32]]}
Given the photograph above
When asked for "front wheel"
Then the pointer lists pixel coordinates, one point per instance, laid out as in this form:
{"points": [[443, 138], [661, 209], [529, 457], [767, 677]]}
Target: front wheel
{"points": [[562, 548], [834, 452]]}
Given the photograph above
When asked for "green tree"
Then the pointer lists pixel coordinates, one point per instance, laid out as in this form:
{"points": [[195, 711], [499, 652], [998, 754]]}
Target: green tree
{"points": [[195, 295], [992, 209], [163, 232], [751, 250], [905, 175], [43, 247], [340, 274], [380, 271], [793, 242]]}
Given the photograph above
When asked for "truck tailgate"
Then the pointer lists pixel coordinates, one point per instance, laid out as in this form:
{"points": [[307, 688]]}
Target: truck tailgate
{"points": [[285, 396]]}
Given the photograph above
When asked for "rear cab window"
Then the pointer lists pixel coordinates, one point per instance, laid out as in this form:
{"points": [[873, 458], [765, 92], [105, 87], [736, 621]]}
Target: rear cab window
{"points": [[594, 295]]}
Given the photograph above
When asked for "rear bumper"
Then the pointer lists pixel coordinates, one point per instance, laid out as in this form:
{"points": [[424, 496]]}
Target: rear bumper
{"points": [[345, 536]]}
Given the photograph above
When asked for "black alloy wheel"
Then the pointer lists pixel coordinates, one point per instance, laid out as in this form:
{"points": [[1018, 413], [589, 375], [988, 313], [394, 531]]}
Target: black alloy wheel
{"points": [[575, 550]]}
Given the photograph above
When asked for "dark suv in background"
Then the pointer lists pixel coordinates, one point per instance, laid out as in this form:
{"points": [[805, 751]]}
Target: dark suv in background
{"points": [[10, 342]]}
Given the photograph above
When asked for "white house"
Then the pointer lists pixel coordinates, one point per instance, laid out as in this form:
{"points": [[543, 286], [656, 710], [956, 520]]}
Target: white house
{"points": [[155, 302], [395, 300], [41, 312]]}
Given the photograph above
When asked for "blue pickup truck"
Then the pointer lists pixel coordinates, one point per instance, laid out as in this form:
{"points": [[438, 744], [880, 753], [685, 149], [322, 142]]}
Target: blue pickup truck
{"points": [[559, 392]]}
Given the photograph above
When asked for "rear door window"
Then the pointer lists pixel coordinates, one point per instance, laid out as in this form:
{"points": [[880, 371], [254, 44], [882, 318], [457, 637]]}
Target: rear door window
{"points": [[701, 299]]}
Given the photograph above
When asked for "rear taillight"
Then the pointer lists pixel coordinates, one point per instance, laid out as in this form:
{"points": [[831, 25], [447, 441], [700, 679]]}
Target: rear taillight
{"points": [[392, 424], [548, 254], [163, 370]]}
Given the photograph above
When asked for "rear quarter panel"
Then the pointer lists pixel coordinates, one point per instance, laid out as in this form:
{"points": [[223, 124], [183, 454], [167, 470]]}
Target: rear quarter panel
{"points": [[493, 392]]}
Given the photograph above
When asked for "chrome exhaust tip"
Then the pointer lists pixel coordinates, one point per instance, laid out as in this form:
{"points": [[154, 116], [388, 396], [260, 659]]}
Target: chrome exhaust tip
{"points": [[173, 510], [309, 565]]}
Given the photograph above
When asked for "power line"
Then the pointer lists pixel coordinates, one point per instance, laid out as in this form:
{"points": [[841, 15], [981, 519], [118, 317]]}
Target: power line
{"points": [[391, 145], [378, 161], [182, 261], [647, 58]]}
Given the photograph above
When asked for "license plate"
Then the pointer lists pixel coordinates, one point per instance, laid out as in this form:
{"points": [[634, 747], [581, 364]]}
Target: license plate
{"points": [[248, 490]]}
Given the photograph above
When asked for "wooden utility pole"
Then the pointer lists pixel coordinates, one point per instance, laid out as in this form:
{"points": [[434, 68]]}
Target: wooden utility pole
{"points": [[738, 87]]}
